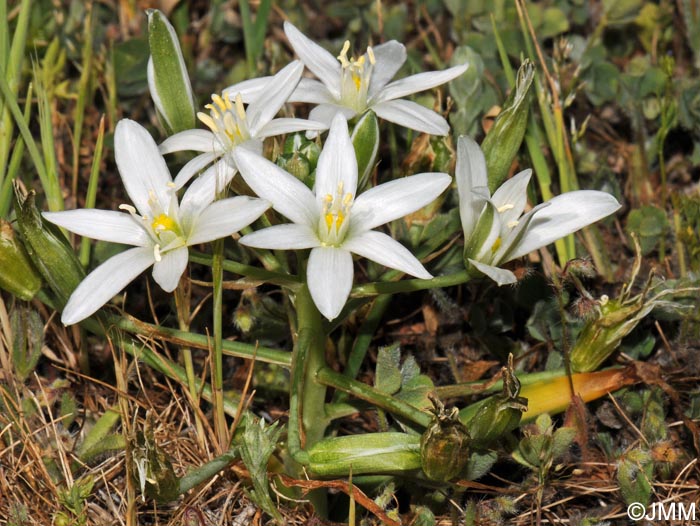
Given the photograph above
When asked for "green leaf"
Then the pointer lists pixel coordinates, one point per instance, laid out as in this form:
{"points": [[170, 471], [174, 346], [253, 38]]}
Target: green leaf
{"points": [[167, 75], [503, 140], [388, 374]]}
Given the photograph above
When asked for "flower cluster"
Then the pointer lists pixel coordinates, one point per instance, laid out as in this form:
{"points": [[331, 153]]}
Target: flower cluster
{"points": [[330, 219]]}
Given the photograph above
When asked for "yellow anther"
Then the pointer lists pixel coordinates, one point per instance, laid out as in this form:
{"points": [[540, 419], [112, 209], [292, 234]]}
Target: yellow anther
{"points": [[505, 207], [219, 101], [329, 221], [239, 107], [127, 208], [512, 224], [343, 57], [347, 199], [208, 121], [370, 54]]}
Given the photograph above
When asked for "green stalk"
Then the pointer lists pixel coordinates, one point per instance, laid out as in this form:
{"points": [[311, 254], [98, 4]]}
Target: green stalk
{"points": [[273, 278], [411, 285], [330, 378], [311, 348], [91, 195], [201, 341], [83, 88], [182, 304], [254, 32], [217, 374], [15, 160]]}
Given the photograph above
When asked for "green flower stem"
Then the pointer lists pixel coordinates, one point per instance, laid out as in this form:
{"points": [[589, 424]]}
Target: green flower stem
{"points": [[175, 372], [475, 388], [310, 356], [201, 341], [217, 373], [329, 377], [206, 471], [273, 278], [182, 304], [410, 285]]}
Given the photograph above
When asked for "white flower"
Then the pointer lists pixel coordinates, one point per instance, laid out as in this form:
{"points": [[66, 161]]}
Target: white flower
{"points": [[352, 86], [157, 226], [495, 231], [232, 126], [332, 221]]}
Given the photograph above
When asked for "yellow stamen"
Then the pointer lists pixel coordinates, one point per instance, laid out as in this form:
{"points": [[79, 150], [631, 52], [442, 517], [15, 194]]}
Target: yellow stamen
{"points": [[496, 244], [219, 101], [370, 54], [339, 220], [505, 207], [357, 80], [156, 252], [329, 221], [208, 121], [343, 57], [239, 107], [512, 224]]}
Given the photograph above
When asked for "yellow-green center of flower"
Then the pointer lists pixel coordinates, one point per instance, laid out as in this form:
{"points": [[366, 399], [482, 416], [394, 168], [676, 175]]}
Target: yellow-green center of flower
{"points": [[354, 78], [333, 224], [227, 120], [510, 225]]}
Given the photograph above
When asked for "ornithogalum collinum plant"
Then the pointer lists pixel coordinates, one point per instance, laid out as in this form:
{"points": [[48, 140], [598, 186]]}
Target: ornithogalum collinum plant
{"points": [[308, 237]]}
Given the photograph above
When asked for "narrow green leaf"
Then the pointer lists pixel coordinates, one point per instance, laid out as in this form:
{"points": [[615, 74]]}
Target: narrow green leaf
{"points": [[365, 140]]}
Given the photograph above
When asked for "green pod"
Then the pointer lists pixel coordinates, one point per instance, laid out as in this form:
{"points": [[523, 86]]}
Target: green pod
{"points": [[18, 275], [444, 446], [372, 453], [48, 248], [491, 418], [502, 142]]}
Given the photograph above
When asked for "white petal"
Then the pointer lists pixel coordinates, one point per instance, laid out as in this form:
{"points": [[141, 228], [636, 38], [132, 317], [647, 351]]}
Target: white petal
{"points": [[193, 167], [326, 112], [284, 237], [565, 214], [470, 174], [411, 115], [510, 198], [387, 251], [337, 165], [223, 218], [105, 282], [168, 271], [419, 82], [248, 89], [319, 61], [395, 199], [107, 225], [329, 274], [499, 275], [266, 105], [311, 91], [190, 140], [204, 190], [389, 57], [282, 126], [141, 166], [288, 195]]}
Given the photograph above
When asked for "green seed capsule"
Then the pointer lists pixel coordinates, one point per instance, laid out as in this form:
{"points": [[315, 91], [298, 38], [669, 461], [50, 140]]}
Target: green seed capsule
{"points": [[372, 453], [444, 446], [18, 275], [48, 248]]}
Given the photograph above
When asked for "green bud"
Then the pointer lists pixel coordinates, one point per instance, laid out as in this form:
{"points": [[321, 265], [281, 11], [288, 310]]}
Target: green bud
{"points": [[168, 80], [498, 414], [48, 248], [444, 446], [18, 275], [371, 453], [365, 140], [296, 164], [502, 142]]}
